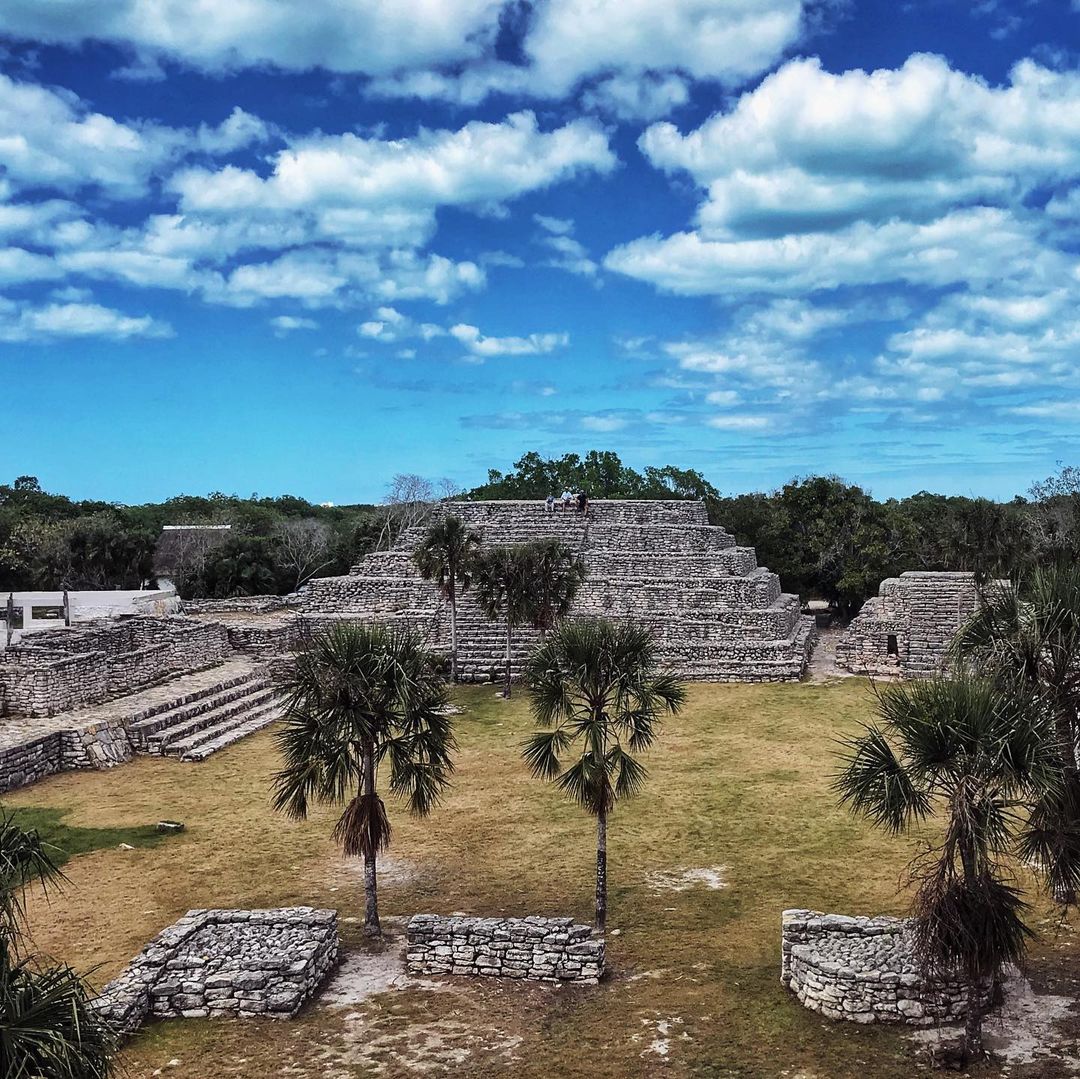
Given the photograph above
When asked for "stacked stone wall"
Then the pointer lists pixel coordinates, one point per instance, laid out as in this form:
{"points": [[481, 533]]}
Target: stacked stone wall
{"points": [[245, 963], [863, 970], [908, 628], [24, 761], [235, 605], [541, 949], [37, 681]]}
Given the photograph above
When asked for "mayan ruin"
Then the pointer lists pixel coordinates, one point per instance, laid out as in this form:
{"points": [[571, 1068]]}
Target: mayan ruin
{"points": [[539, 539], [717, 616], [908, 628]]}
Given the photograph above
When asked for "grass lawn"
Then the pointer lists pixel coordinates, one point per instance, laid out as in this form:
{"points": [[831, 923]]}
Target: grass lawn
{"points": [[739, 780]]}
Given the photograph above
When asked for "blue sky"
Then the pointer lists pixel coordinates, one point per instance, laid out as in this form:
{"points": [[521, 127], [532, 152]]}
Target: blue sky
{"points": [[302, 247]]}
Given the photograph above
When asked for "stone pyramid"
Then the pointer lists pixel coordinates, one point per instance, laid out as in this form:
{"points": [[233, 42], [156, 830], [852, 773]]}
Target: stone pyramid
{"points": [[716, 615]]}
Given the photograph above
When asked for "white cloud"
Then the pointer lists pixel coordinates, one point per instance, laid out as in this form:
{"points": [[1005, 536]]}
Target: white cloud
{"points": [[285, 324], [971, 246], [479, 163], [638, 97], [558, 226], [20, 323], [48, 138], [638, 49], [536, 344], [237, 131], [740, 423], [808, 149], [603, 423], [371, 36]]}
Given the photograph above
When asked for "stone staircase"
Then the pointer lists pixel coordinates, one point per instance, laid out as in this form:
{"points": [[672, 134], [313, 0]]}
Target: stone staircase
{"points": [[195, 725]]}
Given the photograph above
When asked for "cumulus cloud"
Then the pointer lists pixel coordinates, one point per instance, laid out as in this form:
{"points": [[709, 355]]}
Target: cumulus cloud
{"points": [[808, 149], [638, 52], [22, 322], [971, 246], [286, 324], [370, 36], [536, 344], [479, 163], [49, 138]]}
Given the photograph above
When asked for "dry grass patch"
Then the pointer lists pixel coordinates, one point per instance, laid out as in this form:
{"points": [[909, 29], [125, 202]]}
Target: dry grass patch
{"points": [[739, 781]]}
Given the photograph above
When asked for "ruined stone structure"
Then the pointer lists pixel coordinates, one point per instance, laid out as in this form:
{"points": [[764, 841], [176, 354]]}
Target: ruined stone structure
{"points": [[716, 615], [225, 963], [541, 949], [92, 695], [906, 630], [862, 970]]}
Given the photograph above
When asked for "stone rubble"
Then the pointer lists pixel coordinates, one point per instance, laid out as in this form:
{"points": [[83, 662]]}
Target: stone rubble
{"points": [[540, 949]]}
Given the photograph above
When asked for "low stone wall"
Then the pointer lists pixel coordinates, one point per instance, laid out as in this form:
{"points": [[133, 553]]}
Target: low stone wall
{"points": [[38, 681], [24, 762], [862, 970], [225, 963], [242, 604], [542, 949]]}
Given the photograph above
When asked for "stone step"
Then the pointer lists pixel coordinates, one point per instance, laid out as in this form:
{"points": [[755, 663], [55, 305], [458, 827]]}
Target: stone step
{"points": [[170, 701], [162, 740], [266, 710], [183, 709], [229, 736]]}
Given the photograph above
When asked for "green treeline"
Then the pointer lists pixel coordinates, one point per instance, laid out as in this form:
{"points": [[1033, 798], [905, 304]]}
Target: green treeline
{"points": [[49, 541], [826, 538]]}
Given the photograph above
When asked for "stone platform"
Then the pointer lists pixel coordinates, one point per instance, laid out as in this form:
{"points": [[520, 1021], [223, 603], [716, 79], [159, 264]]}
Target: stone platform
{"points": [[225, 963], [716, 615]]}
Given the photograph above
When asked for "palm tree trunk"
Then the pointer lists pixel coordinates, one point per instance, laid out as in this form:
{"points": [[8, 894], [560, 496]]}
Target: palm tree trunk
{"points": [[372, 928], [601, 870], [453, 637], [506, 673], [973, 1040]]}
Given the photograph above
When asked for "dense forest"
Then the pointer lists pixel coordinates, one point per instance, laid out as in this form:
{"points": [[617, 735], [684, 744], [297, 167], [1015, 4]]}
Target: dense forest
{"points": [[825, 537]]}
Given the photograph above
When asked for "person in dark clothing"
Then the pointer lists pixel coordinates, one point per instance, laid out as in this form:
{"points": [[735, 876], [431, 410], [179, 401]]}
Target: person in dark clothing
{"points": [[582, 502]]}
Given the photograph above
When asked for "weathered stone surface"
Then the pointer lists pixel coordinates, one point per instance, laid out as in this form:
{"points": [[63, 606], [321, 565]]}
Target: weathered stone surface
{"points": [[244, 962], [716, 615], [906, 630], [543, 949], [862, 970]]}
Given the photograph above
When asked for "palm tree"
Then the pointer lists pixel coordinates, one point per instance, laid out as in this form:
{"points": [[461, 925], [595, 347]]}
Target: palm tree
{"points": [[361, 695], [974, 756], [557, 574], [598, 695], [445, 555], [526, 584], [1029, 636], [48, 1026]]}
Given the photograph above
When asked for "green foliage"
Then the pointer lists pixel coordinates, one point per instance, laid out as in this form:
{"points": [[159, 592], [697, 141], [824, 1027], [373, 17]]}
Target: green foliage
{"points": [[598, 474], [446, 555], [1027, 635], [47, 1027], [50, 542], [362, 695], [976, 755]]}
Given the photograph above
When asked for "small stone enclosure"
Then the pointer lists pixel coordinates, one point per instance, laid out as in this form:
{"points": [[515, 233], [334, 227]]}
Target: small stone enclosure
{"points": [[225, 962], [862, 970], [906, 630]]}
